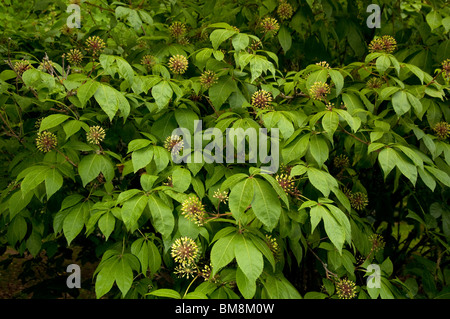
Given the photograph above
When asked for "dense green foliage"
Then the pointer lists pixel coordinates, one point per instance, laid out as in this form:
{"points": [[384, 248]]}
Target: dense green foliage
{"points": [[86, 121]]}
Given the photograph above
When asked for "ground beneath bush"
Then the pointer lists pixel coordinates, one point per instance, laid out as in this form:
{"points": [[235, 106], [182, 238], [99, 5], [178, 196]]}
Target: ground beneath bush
{"points": [[26, 277]]}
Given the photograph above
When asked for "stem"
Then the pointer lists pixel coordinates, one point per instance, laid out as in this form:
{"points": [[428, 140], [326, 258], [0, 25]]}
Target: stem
{"points": [[435, 77], [354, 136], [324, 265], [187, 289], [67, 158], [10, 129]]}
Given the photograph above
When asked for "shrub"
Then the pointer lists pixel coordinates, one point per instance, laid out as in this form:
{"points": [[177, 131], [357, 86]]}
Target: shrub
{"points": [[88, 117]]}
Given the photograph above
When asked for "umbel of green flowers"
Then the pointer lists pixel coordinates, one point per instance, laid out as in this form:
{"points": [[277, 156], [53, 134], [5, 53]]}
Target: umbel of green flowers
{"points": [[184, 251], [178, 64], [46, 141], [345, 289], [261, 99], [95, 135], [193, 209]]}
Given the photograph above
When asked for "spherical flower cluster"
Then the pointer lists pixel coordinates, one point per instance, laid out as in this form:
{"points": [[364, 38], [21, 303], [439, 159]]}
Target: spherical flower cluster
{"points": [[46, 66], [177, 29], [286, 182], [385, 44], [46, 141], [148, 61], [446, 69], [273, 245], [74, 56], [21, 66], [319, 90], [285, 10], [261, 99], [323, 64], [178, 64], [208, 78], [255, 45], [185, 270], [345, 289], [341, 161], [95, 45], [184, 251], [374, 83], [221, 196], [269, 25], [96, 135], [193, 209], [377, 242], [358, 200], [442, 130], [38, 122], [174, 144]]}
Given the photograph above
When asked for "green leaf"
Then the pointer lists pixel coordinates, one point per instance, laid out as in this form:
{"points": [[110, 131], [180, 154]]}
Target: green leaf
{"points": [[18, 202], [337, 79], [400, 103], [105, 278], [407, 169], [167, 293], [106, 224], [321, 181], [124, 274], [35, 177], [154, 257], [162, 217], [185, 118], [245, 285], [337, 227], [220, 35], [241, 196], [220, 91], [248, 257], [266, 205], [319, 149], [106, 97], [53, 182], [439, 175], [317, 76], [223, 252], [74, 221], [94, 164], [17, 230], [181, 179], [416, 104], [73, 126], [434, 19], [383, 63], [387, 159], [141, 158], [162, 93], [285, 39], [240, 41], [51, 121], [278, 287], [296, 149], [330, 122], [161, 156], [147, 181], [132, 210], [125, 70]]}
